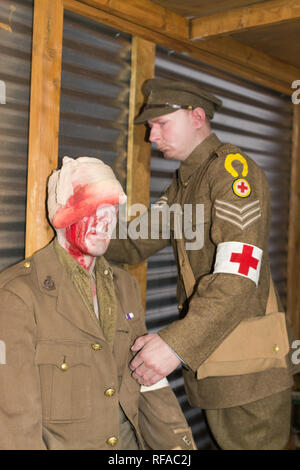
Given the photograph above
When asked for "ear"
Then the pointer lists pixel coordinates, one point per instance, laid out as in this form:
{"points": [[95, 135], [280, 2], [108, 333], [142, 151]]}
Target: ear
{"points": [[198, 117]]}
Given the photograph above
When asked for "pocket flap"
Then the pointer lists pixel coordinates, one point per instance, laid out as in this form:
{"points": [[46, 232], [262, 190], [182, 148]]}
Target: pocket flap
{"points": [[255, 345], [57, 353]]}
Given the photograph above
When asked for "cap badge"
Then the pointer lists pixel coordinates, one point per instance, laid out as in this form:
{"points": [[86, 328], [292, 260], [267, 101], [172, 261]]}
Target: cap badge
{"points": [[49, 284]]}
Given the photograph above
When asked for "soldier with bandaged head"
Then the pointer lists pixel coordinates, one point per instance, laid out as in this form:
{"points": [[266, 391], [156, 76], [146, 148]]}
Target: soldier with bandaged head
{"points": [[68, 320]]}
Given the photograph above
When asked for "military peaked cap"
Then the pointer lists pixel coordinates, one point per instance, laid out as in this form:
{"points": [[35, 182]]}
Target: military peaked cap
{"points": [[167, 96]]}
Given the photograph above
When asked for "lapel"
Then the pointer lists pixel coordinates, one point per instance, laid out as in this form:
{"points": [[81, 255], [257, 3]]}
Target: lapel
{"points": [[54, 281]]}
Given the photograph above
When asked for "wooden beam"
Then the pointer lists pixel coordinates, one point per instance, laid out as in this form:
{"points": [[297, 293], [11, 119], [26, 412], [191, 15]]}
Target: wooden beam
{"points": [[44, 117], [224, 53], [139, 151], [293, 292], [146, 13], [244, 18], [259, 66]]}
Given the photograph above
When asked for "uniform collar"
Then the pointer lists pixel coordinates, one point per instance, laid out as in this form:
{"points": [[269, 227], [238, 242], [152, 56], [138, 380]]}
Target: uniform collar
{"points": [[198, 156], [55, 280], [72, 266]]}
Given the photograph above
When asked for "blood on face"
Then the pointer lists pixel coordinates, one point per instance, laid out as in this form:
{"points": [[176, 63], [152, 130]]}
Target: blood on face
{"points": [[90, 236]]}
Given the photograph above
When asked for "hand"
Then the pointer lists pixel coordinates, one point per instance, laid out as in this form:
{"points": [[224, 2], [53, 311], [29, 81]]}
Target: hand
{"points": [[155, 360]]}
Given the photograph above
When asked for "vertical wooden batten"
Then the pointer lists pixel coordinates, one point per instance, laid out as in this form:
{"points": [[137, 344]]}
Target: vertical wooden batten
{"points": [[138, 161], [44, 117], [293, 294]]}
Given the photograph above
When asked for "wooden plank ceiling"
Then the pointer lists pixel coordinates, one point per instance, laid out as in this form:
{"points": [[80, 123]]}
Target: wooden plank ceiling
{"points": [[269, 26]]}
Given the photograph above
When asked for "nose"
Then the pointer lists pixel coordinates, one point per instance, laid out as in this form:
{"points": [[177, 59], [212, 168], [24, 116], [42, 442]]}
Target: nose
{"points": [[154, 134]]}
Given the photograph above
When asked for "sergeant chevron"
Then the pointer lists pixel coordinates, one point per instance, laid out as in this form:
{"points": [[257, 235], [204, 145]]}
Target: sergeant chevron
{"points": [[231, 212]]}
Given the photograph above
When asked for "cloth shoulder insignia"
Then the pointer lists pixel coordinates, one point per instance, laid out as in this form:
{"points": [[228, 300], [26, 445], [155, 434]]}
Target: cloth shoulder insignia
{"points": [[242, 216], [237, 166]]}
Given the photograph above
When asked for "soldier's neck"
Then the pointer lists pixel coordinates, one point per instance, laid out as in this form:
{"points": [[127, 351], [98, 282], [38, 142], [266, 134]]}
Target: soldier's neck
{"points": [[85, 260]]}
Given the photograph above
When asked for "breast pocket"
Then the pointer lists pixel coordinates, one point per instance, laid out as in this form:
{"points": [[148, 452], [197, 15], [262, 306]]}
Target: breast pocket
{"points": [[193, 223], [65, 377]]}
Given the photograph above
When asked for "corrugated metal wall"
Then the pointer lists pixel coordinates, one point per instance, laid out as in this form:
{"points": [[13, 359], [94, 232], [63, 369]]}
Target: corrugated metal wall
{"points": [[15, 64], [95, 92], [260, 122]]}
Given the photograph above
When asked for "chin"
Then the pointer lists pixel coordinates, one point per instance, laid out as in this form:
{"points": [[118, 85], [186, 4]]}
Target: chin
{"points": [[99, 248]]}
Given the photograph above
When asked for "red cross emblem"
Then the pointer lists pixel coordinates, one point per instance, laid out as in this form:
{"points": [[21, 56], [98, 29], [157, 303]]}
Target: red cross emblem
{"points": [[242, 187], [245, 259]]}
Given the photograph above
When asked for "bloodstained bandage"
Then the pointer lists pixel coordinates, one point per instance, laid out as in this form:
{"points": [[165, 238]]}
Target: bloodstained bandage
{"points": [[84, 202]]}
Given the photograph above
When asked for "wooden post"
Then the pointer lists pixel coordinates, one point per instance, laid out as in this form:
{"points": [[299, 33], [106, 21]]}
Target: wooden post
{"points": [[139, 151], [293, 292], [44, 117]]}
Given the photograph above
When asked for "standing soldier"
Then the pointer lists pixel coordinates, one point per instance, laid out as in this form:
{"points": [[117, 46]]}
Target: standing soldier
{"points": [[234, 356]]}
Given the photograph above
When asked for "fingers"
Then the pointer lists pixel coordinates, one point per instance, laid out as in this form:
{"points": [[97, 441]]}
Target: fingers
{"points": [[136, 362], [140, 342], [146, 376]]}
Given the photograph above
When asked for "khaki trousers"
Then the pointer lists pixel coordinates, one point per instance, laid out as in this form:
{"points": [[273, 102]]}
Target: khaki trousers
{"points": [[260, 425]]}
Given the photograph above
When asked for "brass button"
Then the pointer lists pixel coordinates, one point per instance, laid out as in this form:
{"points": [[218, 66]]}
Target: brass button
{"points": [[64, 366], [110, 392], [185, 183], [276, 348], [96, 347], [106, 272], [180, 307], [27, 264], [111, 441]]}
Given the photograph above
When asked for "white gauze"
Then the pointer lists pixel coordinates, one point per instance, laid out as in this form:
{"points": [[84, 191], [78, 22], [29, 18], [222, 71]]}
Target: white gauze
{"points": [[81, 171]]}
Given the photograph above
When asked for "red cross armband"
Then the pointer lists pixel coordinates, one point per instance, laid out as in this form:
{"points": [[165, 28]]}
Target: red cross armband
{"points": [[239, 258]]}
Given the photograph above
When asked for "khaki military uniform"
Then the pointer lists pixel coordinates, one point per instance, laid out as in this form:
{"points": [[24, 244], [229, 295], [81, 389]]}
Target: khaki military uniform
{"points": [[64, 383], [221, 300]]}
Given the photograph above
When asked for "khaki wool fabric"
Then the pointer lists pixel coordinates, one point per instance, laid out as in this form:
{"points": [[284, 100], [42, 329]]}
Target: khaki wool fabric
{"points": [[62, 382], [265, 420], [106, 296], [107, 304]]}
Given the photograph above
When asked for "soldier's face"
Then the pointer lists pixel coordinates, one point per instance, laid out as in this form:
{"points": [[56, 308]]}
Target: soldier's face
{"points": [[91, 235], [174, 134]]}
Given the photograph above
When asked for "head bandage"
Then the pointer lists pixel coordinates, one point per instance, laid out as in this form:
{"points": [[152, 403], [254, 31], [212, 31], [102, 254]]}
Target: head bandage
{"points": [[79, 188]]}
